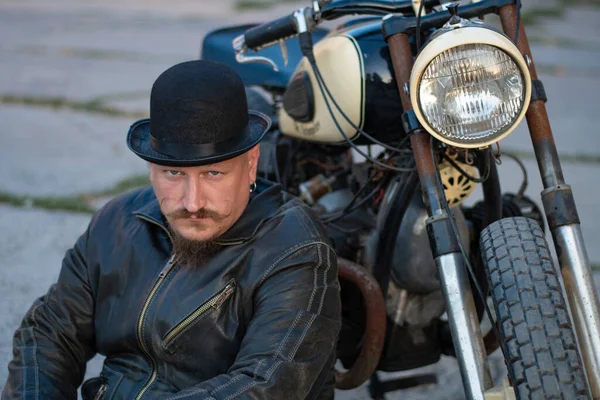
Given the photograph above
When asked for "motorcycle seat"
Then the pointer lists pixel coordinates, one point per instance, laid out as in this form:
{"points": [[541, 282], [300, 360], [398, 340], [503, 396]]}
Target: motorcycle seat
{"points": [[217, 46]]}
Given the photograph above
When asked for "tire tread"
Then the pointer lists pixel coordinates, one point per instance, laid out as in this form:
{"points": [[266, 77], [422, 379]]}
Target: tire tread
{"points": [[540, 349]]}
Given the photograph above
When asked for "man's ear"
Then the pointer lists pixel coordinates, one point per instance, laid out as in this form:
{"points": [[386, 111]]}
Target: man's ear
{"points": [[253, 155]]}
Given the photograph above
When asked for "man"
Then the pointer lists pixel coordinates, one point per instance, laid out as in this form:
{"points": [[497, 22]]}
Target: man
{"points": [[205, 286]]}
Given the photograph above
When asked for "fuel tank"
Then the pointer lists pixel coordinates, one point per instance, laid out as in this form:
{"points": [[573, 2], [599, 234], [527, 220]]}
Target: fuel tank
{"points": [[354, 61]]}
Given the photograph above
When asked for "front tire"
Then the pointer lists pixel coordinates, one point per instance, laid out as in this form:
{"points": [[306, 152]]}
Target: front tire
{"points": [[537, 337]]}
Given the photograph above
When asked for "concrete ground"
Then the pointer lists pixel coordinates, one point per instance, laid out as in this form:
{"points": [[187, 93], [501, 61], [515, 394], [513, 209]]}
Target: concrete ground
{"points": [[74, 75]]}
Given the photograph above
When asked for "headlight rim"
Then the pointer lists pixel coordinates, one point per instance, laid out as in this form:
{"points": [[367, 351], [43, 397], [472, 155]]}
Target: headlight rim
{"points": [[472, 34]]}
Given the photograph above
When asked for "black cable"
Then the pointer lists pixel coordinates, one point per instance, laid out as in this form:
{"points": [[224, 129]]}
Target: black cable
{"points": [[486, 173], [462, 248], [518, 21], [306, 47], [365, 134], [347, 210], [525, 176], [354, 146], [356, 196], [419, 25], [315, 68]]}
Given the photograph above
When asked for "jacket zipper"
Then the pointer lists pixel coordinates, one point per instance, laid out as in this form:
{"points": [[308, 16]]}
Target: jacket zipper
{"points": [[214, 302], [161, 278], [101, 392]]}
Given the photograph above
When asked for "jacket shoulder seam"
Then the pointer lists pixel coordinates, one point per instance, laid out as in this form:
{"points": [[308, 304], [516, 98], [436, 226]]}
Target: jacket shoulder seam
{"points": [[288, 253]]}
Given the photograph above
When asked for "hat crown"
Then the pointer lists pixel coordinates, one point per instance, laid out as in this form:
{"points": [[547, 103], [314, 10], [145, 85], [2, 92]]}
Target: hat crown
{"points": [[198, 102]]}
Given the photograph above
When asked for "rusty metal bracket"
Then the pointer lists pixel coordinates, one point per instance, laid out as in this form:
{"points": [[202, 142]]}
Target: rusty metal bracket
{"points": [[410, 123], [559, 204], [537, 91], [442, 238]]}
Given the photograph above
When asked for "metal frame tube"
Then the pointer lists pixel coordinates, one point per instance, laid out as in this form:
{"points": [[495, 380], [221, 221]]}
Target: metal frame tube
{"points": [[375, 315], [464, 324], [537, 116], [466, 332], [581, 292], [568, 241]]}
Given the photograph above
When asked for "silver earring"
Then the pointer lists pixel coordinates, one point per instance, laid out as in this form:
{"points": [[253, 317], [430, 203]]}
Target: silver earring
{"points": [[253, 187]]}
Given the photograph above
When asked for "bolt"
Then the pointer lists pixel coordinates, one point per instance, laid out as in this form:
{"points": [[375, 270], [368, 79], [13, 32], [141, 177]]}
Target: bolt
{"points": [[406, 89], [452, 9], [528, 60]]}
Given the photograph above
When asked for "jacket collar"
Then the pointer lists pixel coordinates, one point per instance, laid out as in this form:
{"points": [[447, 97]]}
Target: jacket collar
{"points": [[264, 202]]}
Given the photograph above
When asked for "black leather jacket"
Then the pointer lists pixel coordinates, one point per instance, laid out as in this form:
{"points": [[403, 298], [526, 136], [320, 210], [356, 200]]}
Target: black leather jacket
{"points": [[259, 321]]}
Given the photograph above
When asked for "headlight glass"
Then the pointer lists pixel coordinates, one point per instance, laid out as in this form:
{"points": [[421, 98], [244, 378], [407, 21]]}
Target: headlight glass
{"points": [[471, 93]]}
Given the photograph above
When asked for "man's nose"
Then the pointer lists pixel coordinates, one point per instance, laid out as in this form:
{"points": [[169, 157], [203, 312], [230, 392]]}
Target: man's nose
{"points": [[193, 199]]}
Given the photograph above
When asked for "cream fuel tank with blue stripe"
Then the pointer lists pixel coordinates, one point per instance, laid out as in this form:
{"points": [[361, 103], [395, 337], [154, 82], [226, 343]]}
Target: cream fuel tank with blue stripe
{"points": [[355, 64]]}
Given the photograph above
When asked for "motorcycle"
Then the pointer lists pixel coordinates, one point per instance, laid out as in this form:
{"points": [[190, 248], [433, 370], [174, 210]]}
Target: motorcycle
{"points": [[432, 88]]}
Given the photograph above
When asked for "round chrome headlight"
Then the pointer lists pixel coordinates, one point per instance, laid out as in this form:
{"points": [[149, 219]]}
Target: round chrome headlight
{"points": [[470, 86]]}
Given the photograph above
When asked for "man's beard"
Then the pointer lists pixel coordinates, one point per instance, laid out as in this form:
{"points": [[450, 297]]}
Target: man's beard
{"points": [[192, 253], [189, 252]]}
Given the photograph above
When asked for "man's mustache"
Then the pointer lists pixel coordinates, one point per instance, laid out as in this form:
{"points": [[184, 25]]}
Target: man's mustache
{"points": [[202, 213]]}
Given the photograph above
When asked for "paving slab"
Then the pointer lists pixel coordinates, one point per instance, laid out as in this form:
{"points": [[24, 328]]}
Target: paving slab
{"points": [[224, 9], [572, 110], [32, 77], [83, 56], [119, 26], [578, 23], [59, 153]]}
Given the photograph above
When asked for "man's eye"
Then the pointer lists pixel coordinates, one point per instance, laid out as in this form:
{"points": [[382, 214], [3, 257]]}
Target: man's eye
{"points": [[173, 172], [214, 173]]}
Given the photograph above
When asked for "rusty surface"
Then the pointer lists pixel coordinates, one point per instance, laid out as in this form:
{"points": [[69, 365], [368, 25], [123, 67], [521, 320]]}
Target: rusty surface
{"points": [[508, 18], [537, 120], [315, 188], [548, 162], [420, 143], [402, 60], [559, 204], [367, 361], [432, 194], [537, 116]]}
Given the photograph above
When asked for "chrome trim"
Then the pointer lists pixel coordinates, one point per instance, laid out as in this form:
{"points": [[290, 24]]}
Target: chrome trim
{"points": [[301, 26], [466, 332], [240, 48], [583, 299]]}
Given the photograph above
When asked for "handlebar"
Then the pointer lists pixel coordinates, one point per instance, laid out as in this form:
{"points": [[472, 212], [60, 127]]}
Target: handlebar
{"points": [[270, 32], [304, 20]]}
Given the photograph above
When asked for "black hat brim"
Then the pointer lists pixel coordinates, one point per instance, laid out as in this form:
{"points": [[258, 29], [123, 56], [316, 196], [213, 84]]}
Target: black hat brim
{"points": [[138, 141]]}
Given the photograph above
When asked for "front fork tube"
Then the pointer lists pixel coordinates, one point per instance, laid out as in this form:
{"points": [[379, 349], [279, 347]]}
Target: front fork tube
{"points": [[561, 214], [464, 324]]}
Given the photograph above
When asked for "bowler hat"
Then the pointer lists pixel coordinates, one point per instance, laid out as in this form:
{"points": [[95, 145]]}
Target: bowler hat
{"points": [[198, 115]]}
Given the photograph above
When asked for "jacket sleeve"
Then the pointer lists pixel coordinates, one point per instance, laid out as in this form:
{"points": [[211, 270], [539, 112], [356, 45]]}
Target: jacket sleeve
{"points": [[56, 337], [288, 351]]}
